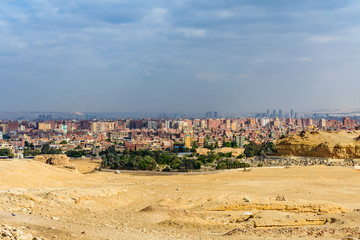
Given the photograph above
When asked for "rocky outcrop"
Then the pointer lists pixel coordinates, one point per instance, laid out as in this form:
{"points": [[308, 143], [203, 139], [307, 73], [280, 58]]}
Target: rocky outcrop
{"points": [[53, 159], [13, 233], [338, 145]]}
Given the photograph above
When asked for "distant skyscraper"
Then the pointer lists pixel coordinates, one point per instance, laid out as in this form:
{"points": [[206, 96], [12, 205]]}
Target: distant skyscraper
{"points": [[280, 113], [152, 125], [168, 124], [292, 113], [322, 123], [216, 115], [274, 113], [268, 113], [209, 114]]}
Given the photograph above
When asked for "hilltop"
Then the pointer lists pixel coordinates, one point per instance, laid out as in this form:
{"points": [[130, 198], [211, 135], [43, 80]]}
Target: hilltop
{"points": [[324, 144]]}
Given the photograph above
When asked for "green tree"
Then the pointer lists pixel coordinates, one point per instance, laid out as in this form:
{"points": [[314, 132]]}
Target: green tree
{"points": [[188, 164], [234, 144], [46, 149], [6, 152], [75, 154], [175, 163], [29, 152], [252, 149], [230, 164], [240, 156], [134, 162], [6, 137], [108, 160], [202, 158], [148, 163]]}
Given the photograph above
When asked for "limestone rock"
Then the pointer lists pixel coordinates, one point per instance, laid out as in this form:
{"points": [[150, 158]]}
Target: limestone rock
{"points": [[53, 159], [7, 232], [335, 145]]}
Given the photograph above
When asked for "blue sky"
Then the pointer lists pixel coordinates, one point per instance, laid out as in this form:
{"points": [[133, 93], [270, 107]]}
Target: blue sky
{"points": [[180, 55]]}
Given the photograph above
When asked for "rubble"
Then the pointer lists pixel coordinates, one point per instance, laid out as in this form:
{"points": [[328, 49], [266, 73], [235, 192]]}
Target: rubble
{"points": [[271, 161], [15, 234]]}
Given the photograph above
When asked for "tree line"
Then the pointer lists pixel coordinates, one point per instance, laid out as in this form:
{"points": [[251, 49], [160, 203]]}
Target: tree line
{"points": [[146, 160], [29, 150], [151, 160], [252, 149]]}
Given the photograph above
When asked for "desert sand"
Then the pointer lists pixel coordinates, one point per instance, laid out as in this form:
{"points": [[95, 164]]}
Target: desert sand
{"points": [[235, 151], [261, 203]]}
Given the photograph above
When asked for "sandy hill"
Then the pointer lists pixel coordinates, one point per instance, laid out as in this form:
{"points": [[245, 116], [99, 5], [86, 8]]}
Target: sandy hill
{"points": [[235, 151], [264, 203], [339, 145]]}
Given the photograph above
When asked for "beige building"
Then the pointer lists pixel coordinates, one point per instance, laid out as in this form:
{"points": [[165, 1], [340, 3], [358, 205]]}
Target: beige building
{"points": [[44, 126]]}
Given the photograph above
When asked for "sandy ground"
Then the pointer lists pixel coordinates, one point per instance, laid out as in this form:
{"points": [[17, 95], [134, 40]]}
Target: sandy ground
{"points": [[86, 165], [236, 151], [263, 203]]}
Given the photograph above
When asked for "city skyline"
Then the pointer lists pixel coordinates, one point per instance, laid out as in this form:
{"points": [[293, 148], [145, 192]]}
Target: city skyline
{"points": [[179, 56], [274, 113]]}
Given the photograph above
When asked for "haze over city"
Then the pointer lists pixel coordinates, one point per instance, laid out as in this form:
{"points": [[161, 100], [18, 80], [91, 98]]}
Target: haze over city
{"points": [[193, 56]]}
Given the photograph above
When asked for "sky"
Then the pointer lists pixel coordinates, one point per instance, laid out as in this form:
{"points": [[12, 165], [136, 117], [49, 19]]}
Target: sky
{"points": [[179, 55]]}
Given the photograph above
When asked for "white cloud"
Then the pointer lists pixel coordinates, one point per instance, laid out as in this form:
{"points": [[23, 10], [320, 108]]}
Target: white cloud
{"points": [[303, 59], [157, 15], [225, 13], [324, 39], [210, 77], [192, 32]]}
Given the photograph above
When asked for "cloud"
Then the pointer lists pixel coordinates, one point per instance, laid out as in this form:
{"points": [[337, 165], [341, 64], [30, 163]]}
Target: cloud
{"points": [[225, 13], [211, 77], [156, 15], [303, 59], [324, 39], [115, 50], [192, 32]]}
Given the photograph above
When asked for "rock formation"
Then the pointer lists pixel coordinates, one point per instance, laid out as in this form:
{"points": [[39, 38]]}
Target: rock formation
{"points": [[53, 159], [338, 145]]}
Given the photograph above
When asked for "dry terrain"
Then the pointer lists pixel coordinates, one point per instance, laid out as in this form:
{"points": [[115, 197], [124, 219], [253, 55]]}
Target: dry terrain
{"points": [[262, 203], [235, 151], [339, 145]]}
